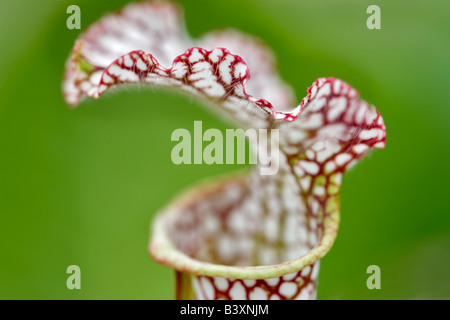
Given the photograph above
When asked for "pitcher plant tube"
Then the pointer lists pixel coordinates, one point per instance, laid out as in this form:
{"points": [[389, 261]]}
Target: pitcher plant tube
{"points": [[248, 235]]}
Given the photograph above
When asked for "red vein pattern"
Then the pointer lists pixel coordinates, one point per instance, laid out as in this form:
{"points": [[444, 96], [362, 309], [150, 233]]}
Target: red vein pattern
{"points": [[250, 236], [108, 48], [299, 285]]}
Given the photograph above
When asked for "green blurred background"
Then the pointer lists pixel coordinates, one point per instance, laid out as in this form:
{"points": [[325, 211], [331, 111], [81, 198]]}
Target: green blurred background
{"points": [[81, 186]]}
